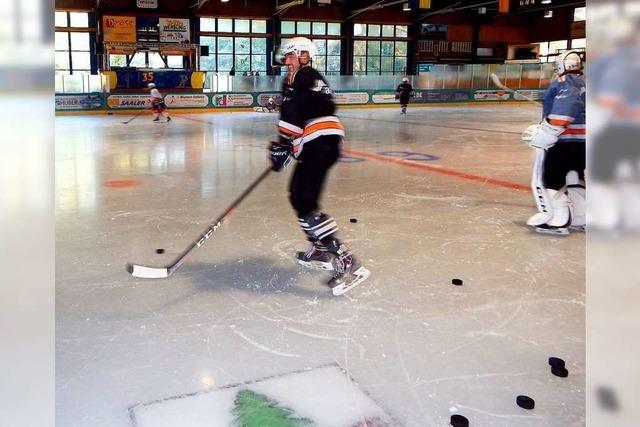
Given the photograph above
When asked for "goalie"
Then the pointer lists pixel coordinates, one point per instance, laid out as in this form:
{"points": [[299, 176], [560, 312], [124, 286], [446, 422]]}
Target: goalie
{"points": [[558, 171]]}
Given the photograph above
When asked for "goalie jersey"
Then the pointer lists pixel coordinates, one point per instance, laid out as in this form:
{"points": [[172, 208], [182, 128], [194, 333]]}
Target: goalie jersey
{"points": [[564, 105], [307, 110]]}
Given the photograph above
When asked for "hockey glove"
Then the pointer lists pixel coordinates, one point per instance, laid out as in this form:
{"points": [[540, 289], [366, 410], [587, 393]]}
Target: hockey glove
{"points": [[546, 136], [280, 155], [529, 133]]}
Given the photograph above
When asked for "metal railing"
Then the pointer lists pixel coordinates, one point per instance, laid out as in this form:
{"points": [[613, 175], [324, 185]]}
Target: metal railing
{"points": [[440, 76]]}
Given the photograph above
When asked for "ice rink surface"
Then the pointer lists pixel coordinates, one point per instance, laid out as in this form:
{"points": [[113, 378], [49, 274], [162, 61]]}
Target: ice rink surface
{"points": [[440, 193]]}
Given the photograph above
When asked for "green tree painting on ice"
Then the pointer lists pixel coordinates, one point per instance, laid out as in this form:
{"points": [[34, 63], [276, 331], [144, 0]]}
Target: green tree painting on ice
{"points": [[256, 410]]}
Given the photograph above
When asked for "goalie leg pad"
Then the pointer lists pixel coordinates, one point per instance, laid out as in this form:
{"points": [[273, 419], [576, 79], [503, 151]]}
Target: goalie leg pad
{"points": [[577, 202], [542, 199]]}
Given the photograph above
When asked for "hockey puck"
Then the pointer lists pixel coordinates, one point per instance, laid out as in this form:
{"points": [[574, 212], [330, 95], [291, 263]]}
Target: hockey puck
{"points": [[459, 421], [556, 362], [457, 282], [525, 402], [160, 251], [559, 371], [353, 220]]}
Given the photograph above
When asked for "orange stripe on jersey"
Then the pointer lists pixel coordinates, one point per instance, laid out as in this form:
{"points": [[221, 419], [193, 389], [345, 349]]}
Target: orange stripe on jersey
{"points": [[286, 131], [322, 126], [575, 132], [558, 122]]}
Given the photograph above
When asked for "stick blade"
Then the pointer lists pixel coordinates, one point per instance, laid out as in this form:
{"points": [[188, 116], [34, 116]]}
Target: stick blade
{"points": [[147, 272]]}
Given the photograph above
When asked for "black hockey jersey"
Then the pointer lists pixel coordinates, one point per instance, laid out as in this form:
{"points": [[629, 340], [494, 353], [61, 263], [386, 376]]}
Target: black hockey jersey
{"points": [[404, 90], [307, 109]]}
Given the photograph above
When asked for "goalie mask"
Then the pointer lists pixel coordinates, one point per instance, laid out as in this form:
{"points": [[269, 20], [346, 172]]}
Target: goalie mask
{"points": [[568, 62], [297, 45]]}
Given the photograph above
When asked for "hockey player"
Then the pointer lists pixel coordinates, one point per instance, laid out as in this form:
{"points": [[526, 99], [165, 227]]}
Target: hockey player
{"points": [[558, 172], [271, 104], [311, 133], [403, 92], [157, 104]]}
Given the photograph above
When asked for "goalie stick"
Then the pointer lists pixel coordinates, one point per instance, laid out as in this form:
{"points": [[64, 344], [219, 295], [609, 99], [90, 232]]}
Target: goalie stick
{"points": [[144, 272], [497, 82]]}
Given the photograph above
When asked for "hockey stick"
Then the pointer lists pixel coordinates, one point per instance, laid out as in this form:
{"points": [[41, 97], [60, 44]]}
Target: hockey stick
{"points": [[162, 272], [132, 118], [497, 82]]}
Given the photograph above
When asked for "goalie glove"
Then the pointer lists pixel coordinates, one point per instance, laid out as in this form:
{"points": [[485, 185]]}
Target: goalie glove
{"points": [[545, 136], [280, 155], [528, 133]]}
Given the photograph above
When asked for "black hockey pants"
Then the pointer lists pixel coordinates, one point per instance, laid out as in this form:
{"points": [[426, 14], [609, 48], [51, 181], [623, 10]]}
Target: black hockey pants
{"points": [[307, 182]]}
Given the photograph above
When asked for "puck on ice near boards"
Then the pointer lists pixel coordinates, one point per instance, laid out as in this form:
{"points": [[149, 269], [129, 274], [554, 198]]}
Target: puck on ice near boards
{"points": [[525, 402], [353, 220], [159, 251], [559, 371], [458, 421], [457, 282]]}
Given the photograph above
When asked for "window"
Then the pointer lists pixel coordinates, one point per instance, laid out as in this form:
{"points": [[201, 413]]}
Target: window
{"points": [[225, 25], [207, 24], [242, 26], [62, 19], [174, 61], [373, 30], [243, 53], [328, 58], [548, 51], [319, 28], [304, 27], [288, 27], [80, 20], [557, 46], [374, 53], [579, 14], [155, 60], [387, 31], [72, 48], [117, 60], [258, 26], [138, 60], [333, 29], [578, 44]]}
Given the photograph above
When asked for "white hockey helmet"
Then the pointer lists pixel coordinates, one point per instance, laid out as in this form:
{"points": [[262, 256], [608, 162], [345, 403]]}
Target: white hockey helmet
{"points": [[151, 85], [567, 62], [405, 80], [298, 45]]}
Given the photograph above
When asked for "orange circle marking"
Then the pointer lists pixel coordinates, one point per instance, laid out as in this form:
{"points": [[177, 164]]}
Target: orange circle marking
{"points": [[121, 183]]}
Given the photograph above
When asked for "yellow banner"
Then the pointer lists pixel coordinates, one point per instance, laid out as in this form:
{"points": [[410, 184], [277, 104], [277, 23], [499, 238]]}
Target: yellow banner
{"points": [[119, 28], [425, 4]]}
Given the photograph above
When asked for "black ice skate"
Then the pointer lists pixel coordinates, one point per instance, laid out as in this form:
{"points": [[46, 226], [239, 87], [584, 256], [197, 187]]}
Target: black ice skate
{"points": [[551, 230], [157, 119], [315, 259], [348, 273], [168, 119]]}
